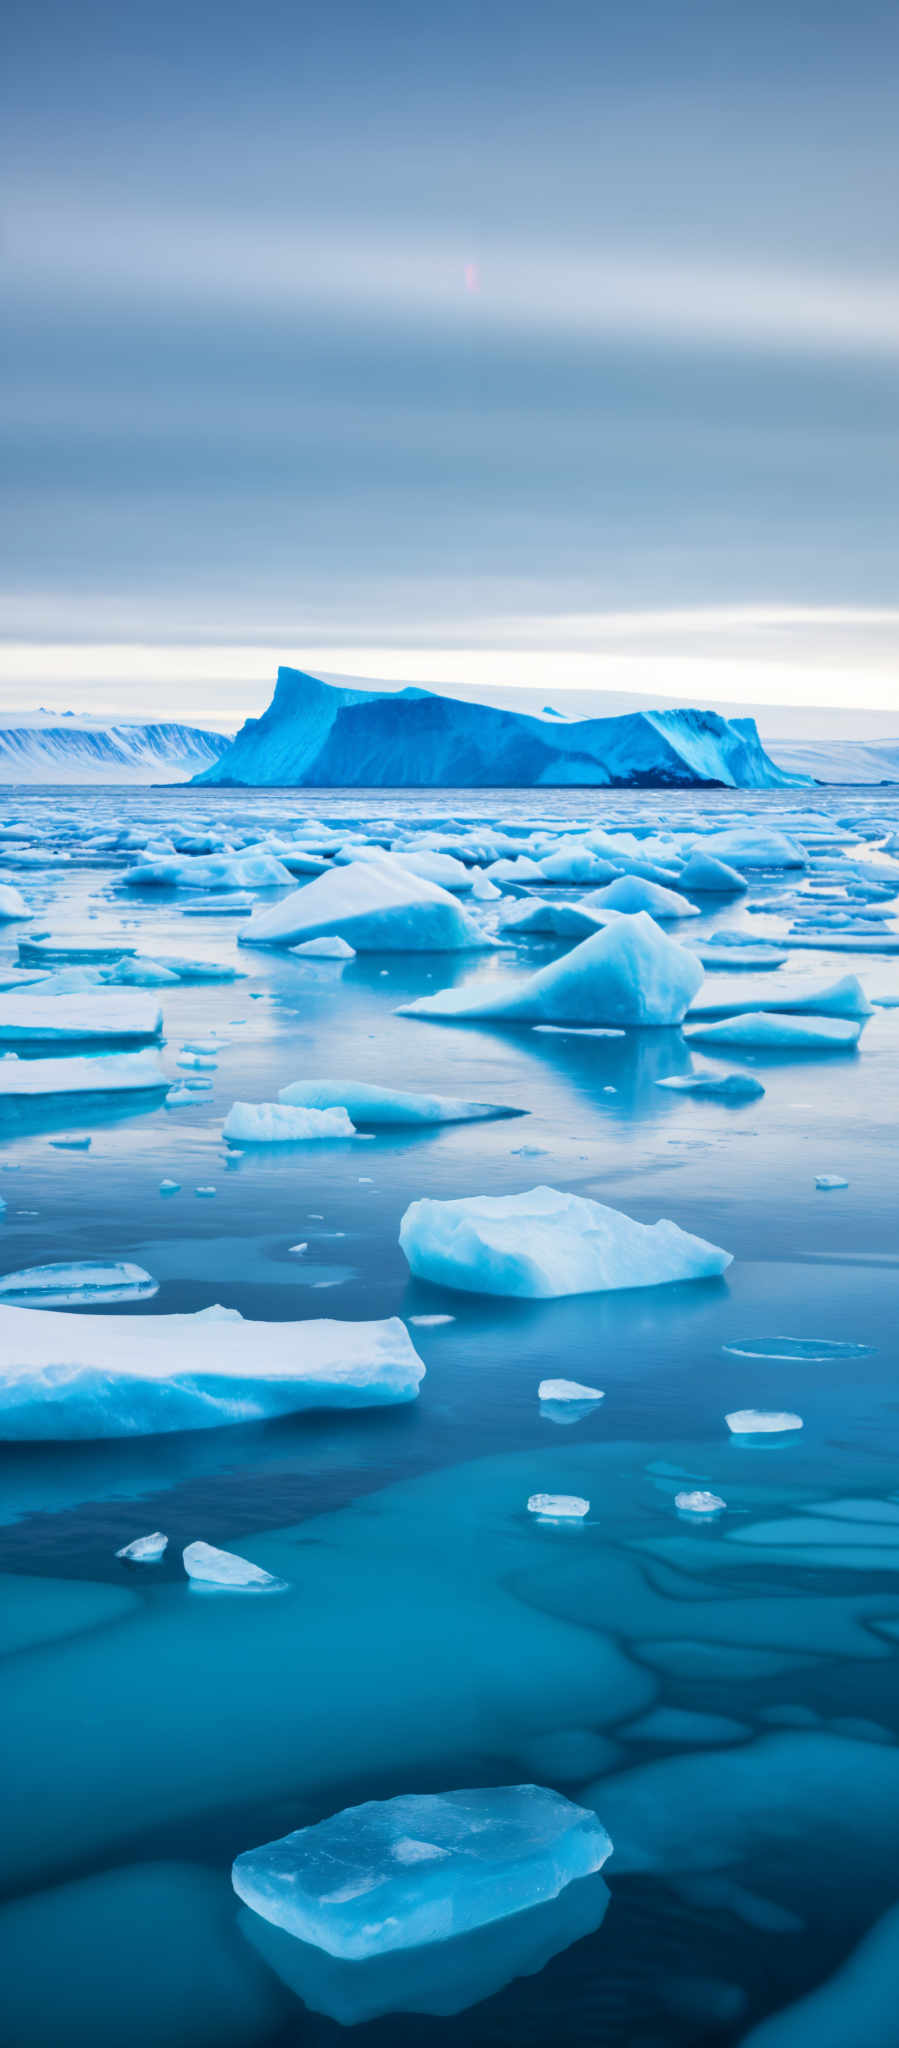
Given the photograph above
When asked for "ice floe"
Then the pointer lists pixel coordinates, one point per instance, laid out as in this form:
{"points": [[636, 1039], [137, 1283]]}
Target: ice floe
{"points": [[108, 1074], [39, 1019], [629, 974], [207, 1566], [145, 1549], [558, 1507], [546, 1243], [765, 1031], [278, 1123], [375, 906], [371, 1106], [82, 1283]]}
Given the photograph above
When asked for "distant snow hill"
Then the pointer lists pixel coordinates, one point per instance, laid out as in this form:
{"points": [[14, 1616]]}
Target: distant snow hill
{"points": [[322, 735], [838, 760], [83, 750]]}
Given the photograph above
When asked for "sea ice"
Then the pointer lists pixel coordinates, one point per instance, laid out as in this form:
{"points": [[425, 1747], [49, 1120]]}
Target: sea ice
{"points": [[567, 1390], [629, 974], [83, 1283], [726, 1087], [756, 1422], [545, 1243], [844, 998], [206, 1566], [12, 903], [699, 1503], [145, 1549], [109, 1074], [831, 1180], [558, 1507], [422, 1868], [38, 1019], [377, 907], [703, 875], [371, 1106], [278, 1123], [629, 894], [763, 1031], [73, 1376]]}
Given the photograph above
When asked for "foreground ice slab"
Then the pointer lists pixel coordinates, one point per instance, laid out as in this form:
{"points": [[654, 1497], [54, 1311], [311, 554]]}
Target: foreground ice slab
{"points": [[370, 1106], [276, 1123], [375, 906], [42, 1019], [766, 1031], [65, 1377], [111, 1074], [544, 1243], [629, 974], [82, 1283], [401, 1873], [206, 1566]]}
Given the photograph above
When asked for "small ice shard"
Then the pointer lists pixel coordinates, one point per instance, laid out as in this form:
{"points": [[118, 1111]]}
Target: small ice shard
{"points": [[544, 1243], [420, 1869], [205, 1191], [558, 1507], [369, 1104], [296, 1249], [206, 1566], [85, 1282], [169, 1187], [430, 1322], [816, 1350], [725, 1087], [700, 1502], [277, 1123], [759, 1422], [630, 974], [325, 949], [71, 1144], [765, 1031], [567, 1390], [831, 1180], [145, 1549]]}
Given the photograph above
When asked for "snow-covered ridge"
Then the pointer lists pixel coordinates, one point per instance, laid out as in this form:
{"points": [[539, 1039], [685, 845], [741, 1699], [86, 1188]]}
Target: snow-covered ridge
{"points": [[85, 750], [318, 734]]}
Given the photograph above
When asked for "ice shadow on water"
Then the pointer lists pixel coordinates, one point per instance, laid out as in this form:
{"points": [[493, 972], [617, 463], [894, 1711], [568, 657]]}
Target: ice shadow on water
{"points": [[444, 1977]]}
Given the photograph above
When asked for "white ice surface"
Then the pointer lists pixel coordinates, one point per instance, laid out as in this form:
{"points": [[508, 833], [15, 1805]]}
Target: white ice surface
{"points": [[544, 1243]]}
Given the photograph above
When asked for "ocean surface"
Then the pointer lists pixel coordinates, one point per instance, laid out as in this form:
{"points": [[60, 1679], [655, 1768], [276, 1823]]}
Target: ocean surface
{"points": [[725, 1693]]}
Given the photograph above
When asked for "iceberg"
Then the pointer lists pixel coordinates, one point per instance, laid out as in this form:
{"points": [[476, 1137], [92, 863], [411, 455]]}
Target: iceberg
{"points": [[145, 1549], [377, 907], [31, 1016], [65, 1377], [84, 1283], [276, 1123], [766, 1031], [630, 974], [371, 1107], [629, 894], [703, 875], [422, 1868], [109, 1074], [325, 735], [206, 1566], [545, 1243], [558, 1507]]}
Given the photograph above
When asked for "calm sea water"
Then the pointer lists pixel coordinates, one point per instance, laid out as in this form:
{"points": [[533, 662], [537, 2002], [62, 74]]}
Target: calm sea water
{"points": [[727, 1695]]}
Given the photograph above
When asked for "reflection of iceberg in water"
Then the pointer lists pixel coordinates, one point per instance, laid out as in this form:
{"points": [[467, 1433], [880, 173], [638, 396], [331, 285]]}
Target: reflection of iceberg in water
{"points": [[444, 1977]]}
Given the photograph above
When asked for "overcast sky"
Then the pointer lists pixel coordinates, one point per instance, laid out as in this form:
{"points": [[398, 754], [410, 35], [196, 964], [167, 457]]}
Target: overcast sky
{"points": [[503, 342]]}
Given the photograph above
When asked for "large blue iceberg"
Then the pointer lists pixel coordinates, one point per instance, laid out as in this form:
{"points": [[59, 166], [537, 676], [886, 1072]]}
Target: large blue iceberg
{"points": [[324, 735]]}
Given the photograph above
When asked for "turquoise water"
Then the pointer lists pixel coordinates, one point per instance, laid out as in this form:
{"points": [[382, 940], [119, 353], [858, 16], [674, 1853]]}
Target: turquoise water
{"points": [[725, 1695]]}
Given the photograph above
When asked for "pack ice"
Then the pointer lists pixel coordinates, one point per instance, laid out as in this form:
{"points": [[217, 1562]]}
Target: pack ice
{"points": [[39, 1019], [376, 906], [370, 1106], [545, 1243], [629, 974], [424, 1867], [72, 1376]]}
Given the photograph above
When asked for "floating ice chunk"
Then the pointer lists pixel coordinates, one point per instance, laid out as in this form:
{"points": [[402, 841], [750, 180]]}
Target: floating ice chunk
{"points": [[177, 1096], [169, 1187], [483, 890], [558, 1507], [206, 1566], [205, 1191], [844, 998], [430, 1322], [545, 1243], [699, 1503], [213, 871], [376, 906], [816, 1350], [110, 1074], [733, 959], [629, 893], [758, 1422], [278, 1123], [531, 915], [767, 1032], [325, 949], [81, 1283], [71, 1144], [201, 1061], [754, 846], [12, 903], [519, 869], [629, 974], [703, 875], [371, 1106], [142, 974], [726, 1087], [831, 1180], [38, 1018], [200, 970], [145, 1549], [56, 946], [567, 1390], [73, 1376], [401, 1873]]}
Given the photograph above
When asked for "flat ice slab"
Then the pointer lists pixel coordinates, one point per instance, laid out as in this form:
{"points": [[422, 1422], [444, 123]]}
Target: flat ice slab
{"points": [[111, 1074], [558, 1507], [82, 1283], [370, 1106], [66, 1377], [765, 1032], [843, 998], [400, 1873], [276, 1123], [726, 1087], [99, 1013], [545, 1243], [206, 1566]]}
